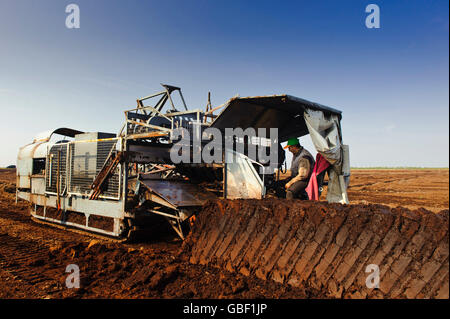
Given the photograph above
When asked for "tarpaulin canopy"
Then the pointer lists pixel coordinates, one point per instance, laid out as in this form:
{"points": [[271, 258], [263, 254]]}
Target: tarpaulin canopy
{"points": [[325, 132], [284, 112], [294, 116]]}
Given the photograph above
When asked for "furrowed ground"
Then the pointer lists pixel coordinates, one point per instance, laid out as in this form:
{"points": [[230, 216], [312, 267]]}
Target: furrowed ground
{"points": [[33, 257]]}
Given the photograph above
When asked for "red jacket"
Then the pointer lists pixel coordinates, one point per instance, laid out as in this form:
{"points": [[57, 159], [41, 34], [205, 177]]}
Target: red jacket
{"points": [[313, 189]]}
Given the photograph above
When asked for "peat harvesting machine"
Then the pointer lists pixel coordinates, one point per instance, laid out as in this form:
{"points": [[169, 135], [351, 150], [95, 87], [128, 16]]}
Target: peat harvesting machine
{"points": [[120, 185]]}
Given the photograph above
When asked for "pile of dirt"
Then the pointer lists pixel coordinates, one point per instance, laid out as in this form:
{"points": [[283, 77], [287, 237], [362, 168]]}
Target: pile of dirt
{"points": [[326, 246], [118, 271]]}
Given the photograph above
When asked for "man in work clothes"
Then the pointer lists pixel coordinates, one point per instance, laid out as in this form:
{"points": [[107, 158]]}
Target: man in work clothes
{"points": [[301, 169]]}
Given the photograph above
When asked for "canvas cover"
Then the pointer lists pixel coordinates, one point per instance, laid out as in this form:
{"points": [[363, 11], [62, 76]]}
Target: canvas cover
{"points": [[325, 133], [294, 116]]}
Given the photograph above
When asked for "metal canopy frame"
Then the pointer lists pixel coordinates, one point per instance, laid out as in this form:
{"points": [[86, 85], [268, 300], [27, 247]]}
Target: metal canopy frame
{"points": [[282, 111], [139, 119], [165, 95]]}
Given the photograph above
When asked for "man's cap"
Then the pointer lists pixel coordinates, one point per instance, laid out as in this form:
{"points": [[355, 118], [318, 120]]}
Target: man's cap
{"points": [[291, 142]]}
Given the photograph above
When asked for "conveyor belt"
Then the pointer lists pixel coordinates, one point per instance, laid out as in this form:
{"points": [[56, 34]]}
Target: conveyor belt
{"points": [[179, 193]]}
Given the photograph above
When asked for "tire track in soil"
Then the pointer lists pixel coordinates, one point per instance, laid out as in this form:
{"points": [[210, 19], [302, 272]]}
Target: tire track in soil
{"points": [[16, 216], [19, 223], [20, 257]]}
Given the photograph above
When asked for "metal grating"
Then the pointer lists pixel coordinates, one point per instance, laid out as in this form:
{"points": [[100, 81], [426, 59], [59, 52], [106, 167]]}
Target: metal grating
{"points": [[52, 168], [86, 161], [111, 188]]}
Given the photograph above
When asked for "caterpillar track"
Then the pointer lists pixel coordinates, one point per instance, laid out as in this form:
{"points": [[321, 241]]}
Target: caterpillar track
{"points": [[134, 233], [327, 246], [81, 232]]}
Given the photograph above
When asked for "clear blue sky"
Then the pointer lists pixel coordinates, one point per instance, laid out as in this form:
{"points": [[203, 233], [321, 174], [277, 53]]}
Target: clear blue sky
{"points": [[391, 83]]}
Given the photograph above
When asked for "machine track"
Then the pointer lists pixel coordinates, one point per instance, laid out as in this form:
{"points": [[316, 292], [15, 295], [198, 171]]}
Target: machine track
{"points": [[133, 234], [80, 231]]}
